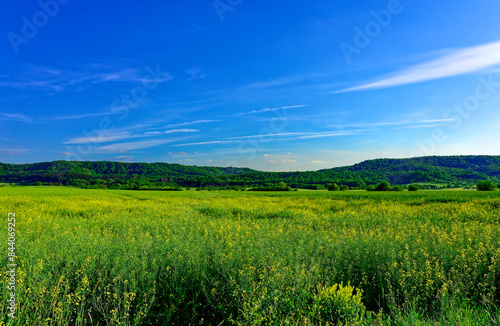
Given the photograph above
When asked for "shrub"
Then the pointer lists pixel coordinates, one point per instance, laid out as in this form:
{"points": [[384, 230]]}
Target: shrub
{"points": [[370, 188], [344, 188], [412, 188], [486, 185], [333, 187], [383, 186], [337, 305], [397, 188]]}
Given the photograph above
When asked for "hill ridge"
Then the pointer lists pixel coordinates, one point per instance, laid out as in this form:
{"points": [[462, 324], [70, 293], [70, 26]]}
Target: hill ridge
{"points": [[454, 169]]}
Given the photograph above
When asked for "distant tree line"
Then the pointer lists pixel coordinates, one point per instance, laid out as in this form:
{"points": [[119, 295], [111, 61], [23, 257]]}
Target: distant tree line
{"points": [[428, 172]]}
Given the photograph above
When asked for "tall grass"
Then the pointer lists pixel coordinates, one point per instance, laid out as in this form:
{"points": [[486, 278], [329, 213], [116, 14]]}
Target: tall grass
{"points": [[97, 257]]}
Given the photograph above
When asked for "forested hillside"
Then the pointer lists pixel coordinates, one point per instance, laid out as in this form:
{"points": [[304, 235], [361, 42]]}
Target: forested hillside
{"points": [[449, 170], [438, 169]]}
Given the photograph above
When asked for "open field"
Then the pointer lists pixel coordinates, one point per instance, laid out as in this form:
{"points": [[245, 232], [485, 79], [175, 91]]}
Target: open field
{"points": [[102, 257]]}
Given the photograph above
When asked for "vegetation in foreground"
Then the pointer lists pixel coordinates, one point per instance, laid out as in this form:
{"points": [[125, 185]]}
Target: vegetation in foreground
{"points": [[99, 257]]}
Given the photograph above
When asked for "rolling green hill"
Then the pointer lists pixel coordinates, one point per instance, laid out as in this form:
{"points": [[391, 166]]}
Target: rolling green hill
{"points": [[437, 169], [452, 170]]}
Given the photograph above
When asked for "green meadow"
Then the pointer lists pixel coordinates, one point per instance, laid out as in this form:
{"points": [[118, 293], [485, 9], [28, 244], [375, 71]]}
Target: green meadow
{"points": [[111, 257]]}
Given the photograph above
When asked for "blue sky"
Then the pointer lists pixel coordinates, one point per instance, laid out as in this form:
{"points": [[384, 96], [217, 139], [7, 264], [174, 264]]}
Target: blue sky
{"points": [[270, 85]]}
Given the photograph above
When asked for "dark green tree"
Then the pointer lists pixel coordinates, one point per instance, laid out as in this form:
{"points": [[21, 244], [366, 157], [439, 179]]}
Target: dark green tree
{"points": [[333, 187], [383, 186], [282, 185], [486, 185], [412, 188]]}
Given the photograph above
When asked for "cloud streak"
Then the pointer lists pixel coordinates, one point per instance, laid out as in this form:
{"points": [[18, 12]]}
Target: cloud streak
{"points": [[456, 63], [421, 126], [86, 115], [99, 139], [213, 142], [189, 123], [281, 136], [112, 137], [272, 109], [58, 79], [124, 147], [282, 161], [380, 124], [273, 82], [16, 117], [16, 150]]}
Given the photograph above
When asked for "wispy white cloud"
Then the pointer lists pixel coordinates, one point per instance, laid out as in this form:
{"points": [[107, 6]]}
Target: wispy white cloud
{"points": [[112, 137], [272, 109], [279, 137], [273, 82], [209, 142], [280, 134], [299, 135], [436, 120], [319, 162], [172, 131], [16, 117], [282, 161], [331, 134], [189, 123], [380, 124], [125, 158], [85, 115], [457, 62], [14, 150], [124, 147], [420, 126], [99, 139], [41, 77], [121, 158], [180, 130]]}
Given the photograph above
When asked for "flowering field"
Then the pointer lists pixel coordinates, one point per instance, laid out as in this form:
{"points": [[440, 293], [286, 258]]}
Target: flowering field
{"points": [[103, 257]]}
